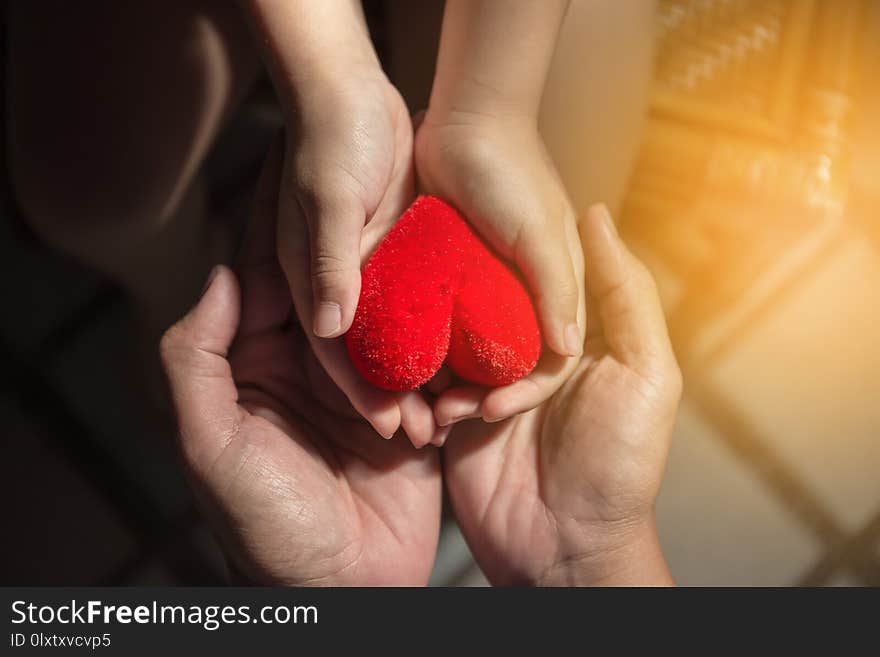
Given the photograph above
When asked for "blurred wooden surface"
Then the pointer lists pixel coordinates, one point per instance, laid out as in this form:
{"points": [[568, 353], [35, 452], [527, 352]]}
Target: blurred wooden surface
{"points": [[751, 200], [747, 150]]}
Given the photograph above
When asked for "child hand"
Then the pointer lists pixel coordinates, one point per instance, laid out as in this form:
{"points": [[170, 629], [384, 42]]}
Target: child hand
{"points": [[347, 177], [495, 170]]}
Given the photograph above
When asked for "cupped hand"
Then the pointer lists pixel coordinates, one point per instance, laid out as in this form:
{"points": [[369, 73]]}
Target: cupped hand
{"points": [[495, 170], [565, 492], [348, 176], [295, 482]]}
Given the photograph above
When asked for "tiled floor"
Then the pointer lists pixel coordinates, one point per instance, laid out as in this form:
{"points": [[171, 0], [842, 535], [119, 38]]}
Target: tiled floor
{"points": [[719, 524], [807, 378]]}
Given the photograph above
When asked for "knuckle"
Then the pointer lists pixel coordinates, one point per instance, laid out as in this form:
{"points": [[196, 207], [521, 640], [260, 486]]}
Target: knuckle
{"points": [[328, 207], [556, 298], [329, 274], [304, 171], [310, 197], [567, 289], [308, 185], [560, 288], [643, 275], [642, 280], [668, 381], [323, 185], [326, 264]]}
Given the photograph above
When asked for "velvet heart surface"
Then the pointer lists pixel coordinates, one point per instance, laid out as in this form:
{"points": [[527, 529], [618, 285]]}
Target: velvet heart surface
{"points": [[434, 292]]}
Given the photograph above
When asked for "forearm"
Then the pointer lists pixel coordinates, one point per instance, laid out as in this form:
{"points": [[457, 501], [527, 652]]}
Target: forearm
{"points": [[494, 55], [306, 44], [634, 559]]}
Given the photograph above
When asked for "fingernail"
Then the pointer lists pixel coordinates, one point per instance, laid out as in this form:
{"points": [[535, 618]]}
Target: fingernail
{"points": [[458, 418], [441, 436], [466, 411], [211, 276], [573, 344], [328, 319]]}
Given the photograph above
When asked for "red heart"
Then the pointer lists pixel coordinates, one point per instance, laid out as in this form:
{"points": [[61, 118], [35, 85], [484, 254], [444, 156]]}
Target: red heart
{"points": [[432, 291]]}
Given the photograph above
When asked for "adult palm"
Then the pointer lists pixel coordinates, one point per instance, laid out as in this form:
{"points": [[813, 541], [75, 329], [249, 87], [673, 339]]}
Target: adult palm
{"points": [[296, 482], [550, 495]]}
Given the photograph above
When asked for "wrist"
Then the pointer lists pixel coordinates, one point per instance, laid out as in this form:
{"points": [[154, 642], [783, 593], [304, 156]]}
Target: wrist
{"points": [[485, 112], [315, 76], [312, 47], [455, 124], [621, 555], [494, 55]]}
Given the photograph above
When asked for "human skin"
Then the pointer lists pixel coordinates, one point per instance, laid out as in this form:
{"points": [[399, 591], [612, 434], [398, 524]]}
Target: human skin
{"points": [[564, 494], [143, 219], [299, 490], [479, 148], [349, 172], [301, 493], [347, 177]]}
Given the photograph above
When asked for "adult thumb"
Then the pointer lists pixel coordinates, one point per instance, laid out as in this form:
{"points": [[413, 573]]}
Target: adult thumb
{"points": [[193, 355]]}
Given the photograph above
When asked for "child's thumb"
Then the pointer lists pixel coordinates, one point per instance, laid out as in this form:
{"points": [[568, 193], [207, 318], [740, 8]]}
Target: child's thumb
{"points": [[545, 260]]}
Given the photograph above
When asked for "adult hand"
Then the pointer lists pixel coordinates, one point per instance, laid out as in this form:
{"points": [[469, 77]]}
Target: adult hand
{"points": [[564, 494], [292, 478]]}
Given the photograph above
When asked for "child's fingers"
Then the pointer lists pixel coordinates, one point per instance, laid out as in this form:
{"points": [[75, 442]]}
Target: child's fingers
{"points": [[624, 294], [542, 254], [552, 370], [458, 403], [336, 221], [378, 407], [531, 391], [416, 418]]}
